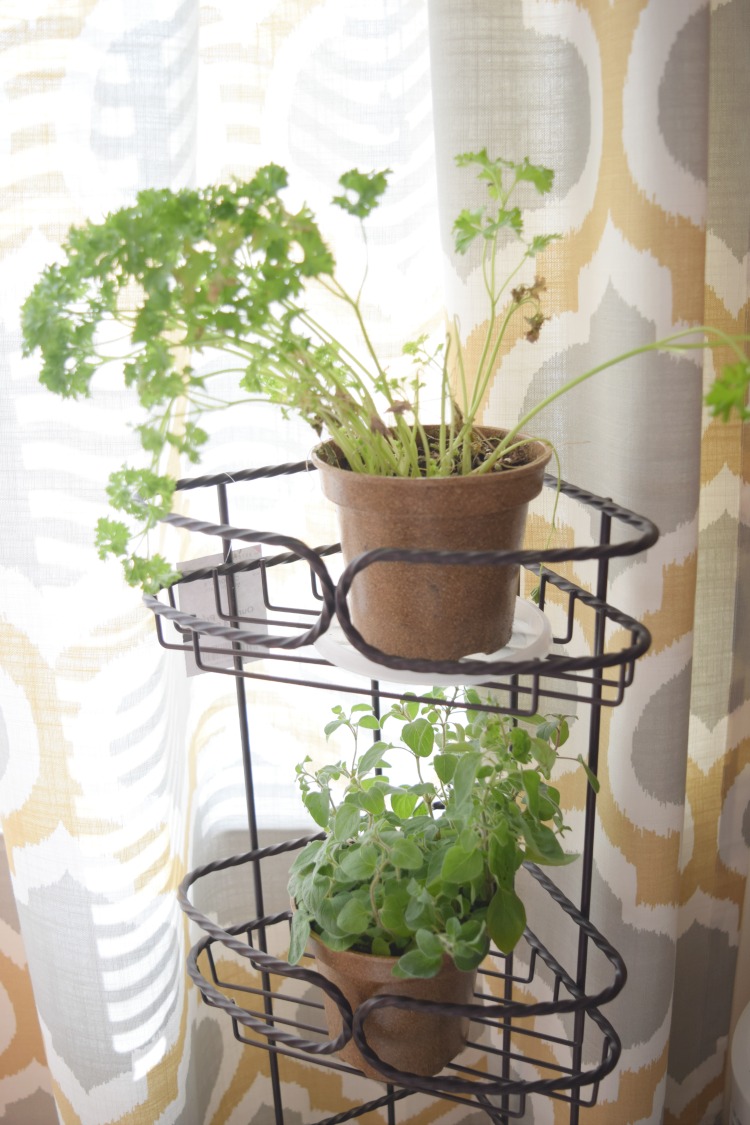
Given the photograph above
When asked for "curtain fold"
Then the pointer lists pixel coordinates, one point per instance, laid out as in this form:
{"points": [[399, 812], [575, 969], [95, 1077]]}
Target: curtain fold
{"points": [[711, 950], [630, 202], [117, 772]]}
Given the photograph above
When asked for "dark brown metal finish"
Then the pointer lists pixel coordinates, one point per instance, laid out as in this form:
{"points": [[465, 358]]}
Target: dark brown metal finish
{"points": [[302, 1038], [537, 1047], [335, 601]]}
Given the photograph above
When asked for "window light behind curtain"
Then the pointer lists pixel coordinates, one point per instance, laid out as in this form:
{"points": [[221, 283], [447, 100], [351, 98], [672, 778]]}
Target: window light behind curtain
{"points": [[117, 773]]}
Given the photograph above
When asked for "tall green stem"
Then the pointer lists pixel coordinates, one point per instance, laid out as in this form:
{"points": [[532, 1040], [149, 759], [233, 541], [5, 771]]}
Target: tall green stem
{"points": [[669, 343]]}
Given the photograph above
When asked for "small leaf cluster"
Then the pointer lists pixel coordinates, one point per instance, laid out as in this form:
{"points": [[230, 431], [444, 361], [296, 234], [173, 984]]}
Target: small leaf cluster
{"points": [[182, 272], [228, 269], [502, 177], [426, 868], [730, 391]]}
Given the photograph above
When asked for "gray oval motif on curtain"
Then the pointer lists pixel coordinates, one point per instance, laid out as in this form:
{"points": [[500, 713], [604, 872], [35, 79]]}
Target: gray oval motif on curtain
{"points": [[642, 121]]}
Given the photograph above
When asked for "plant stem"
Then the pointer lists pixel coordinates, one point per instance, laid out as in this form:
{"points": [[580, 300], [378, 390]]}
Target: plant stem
{"points": [[669, 343]]}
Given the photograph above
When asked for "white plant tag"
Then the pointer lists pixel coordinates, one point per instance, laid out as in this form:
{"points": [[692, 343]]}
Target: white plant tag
{"points": [[198, 598]]}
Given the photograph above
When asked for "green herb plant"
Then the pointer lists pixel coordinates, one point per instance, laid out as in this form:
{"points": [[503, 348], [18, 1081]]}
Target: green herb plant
{"points": [[424, 868], [229, 270]]}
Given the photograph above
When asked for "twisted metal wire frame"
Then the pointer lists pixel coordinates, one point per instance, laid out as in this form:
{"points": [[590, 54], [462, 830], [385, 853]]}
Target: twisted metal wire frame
{"points": [[528, 681], [577, 671], [464, 1084]]}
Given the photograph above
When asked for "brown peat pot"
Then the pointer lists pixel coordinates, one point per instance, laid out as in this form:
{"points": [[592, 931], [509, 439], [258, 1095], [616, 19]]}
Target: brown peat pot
{"points": [[411, 1041], [431, 611]]}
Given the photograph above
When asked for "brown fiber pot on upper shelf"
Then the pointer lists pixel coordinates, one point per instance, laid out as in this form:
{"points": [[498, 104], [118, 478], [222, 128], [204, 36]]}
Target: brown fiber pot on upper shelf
{"points": [[414, 1042], [430, 611]]}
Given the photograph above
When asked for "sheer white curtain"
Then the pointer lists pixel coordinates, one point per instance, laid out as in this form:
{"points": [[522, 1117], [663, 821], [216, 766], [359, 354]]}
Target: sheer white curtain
{"points": [[118, 772]]}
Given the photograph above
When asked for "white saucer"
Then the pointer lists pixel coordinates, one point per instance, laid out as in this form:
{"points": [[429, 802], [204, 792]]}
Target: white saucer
{"points": [[531, 640]]}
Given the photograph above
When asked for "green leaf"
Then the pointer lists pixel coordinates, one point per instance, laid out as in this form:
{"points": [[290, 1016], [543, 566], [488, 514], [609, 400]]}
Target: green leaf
{"points": [[328, 912], [465, 776], [491, 171], [359, 863], [547, 730], [424, 789], [318, 804], [369, 722], [152, 439], [328, 773], [305, 859], [554, 730], [317, 889], [506, 919], [339, 944], [346, 821], [152, 575], [403, 804], [544, 754], [468, 957], [366, 188], [141, 493], [592, 778], [549, 803], [543, 846], [729, 392], [420, 909], [531, 788], [429, 943], [112, 537], [473, 930], [419, 736], [520, 741], [373, 758], [506, 217], [415, 963], [460, 866], [541, 178], [354, 918], [453, 928], [540, 242], [503, 858], [466, 227], [300, 933], [393, 909], [445, 766], [405, 854], [372, 800]]}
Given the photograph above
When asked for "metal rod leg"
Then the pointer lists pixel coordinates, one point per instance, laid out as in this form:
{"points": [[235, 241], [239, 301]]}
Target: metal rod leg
{"points": [[252, 820]]}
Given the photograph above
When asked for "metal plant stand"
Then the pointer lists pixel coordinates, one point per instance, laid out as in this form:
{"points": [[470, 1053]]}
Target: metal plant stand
{"points": [[560, 1046]]}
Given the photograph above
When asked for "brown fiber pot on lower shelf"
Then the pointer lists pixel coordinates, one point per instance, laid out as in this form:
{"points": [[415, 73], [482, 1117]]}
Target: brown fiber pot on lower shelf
{"points": [[430, 611], [414, 1042]]}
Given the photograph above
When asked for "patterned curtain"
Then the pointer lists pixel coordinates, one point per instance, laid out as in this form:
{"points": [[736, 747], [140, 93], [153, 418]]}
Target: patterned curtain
{"points": [[639, 109], [118, 772]]}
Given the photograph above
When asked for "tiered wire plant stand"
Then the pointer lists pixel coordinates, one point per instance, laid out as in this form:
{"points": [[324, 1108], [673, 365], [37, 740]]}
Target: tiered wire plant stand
{"points": [[560, 1046]]}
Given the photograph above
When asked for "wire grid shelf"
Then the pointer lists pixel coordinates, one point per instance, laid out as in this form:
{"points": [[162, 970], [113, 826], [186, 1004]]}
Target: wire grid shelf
{"points": [[520, 1058], [512, 1051], [285, 636]]}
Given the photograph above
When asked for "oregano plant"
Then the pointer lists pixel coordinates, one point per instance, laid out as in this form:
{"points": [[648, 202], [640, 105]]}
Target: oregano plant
{"points": [[228, 270], [421, 868]]}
